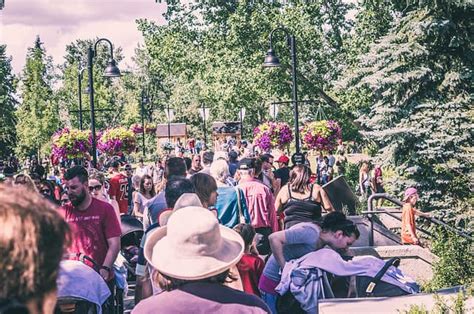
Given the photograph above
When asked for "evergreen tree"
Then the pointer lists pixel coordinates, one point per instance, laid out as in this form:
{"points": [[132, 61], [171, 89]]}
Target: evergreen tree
{"points": [[7, 105], [37, 114], [413, 90]]}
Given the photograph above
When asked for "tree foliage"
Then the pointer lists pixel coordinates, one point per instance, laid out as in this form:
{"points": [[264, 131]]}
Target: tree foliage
{"points": [[7, 105], [38, 112], [211, 53], [413, 93]]}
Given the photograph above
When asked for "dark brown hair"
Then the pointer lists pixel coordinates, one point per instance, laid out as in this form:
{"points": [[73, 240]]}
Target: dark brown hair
{"points": [[204, 185], [247, 232], [77, 172], [300, 177], [32, 239], [335, 221], [169, 283], [142, 185]]}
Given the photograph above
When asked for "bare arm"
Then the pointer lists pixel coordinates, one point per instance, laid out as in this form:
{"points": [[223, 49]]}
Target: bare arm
{"points": [[279, 200], [422, 214], [111, 256], [136, 206], [323, 198], [277, 241]]}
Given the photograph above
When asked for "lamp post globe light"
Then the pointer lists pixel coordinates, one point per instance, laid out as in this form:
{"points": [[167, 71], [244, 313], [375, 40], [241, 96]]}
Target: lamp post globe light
{"points": [[143, 102], [111, 71], [169, 117], [271, 60], [274, 109], [204, 112], [242, 117]]}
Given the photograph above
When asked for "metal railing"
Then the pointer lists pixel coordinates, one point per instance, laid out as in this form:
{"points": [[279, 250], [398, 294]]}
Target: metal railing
{"points": [[392, 213]]}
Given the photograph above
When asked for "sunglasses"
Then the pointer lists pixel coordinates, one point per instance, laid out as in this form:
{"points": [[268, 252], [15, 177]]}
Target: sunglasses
{"points": [[45, 191], [64, 201], [95, 187]]}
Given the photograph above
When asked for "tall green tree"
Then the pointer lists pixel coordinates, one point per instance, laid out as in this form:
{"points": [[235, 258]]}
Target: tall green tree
{"points": [[413, 91], [212, 52], [37, 115], [7, 105]]}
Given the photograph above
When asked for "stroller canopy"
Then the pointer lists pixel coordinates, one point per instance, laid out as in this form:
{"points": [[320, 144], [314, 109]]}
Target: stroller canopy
{"points": [[130, 224]]}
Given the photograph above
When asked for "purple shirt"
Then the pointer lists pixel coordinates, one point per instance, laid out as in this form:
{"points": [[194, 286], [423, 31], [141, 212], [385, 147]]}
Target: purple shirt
{"points": [[260, 203], [202, 297]]}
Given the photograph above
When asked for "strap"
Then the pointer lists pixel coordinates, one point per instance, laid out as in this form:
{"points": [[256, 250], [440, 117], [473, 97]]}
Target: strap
{"points": [[241, 214], [369, 291], [289, 191], [310, 197]]}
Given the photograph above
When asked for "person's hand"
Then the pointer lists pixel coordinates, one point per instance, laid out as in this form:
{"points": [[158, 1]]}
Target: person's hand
{"points": [[104, 273], [416, 241]]}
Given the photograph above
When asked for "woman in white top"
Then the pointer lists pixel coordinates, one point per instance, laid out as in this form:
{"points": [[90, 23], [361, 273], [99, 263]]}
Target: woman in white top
{"points": [[98, 187], [145, 192], [364, 179]]}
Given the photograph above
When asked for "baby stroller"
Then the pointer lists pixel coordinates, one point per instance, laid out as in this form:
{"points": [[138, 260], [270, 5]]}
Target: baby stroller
{"points": [[336, 277], [132, 233], [82, 290]]}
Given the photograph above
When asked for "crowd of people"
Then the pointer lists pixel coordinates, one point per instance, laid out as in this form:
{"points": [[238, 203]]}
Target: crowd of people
{"points": [[218, 227]]}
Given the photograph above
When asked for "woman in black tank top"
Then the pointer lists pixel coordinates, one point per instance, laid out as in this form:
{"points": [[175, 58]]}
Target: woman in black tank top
{"points": [[300, 200]]}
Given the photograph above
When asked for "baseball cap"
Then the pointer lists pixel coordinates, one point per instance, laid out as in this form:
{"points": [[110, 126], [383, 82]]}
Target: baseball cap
{"points": [[247, 163], [409, 192], [283, 159]]}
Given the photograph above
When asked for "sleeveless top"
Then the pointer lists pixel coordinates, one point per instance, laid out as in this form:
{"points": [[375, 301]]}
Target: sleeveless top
{"points": [[301, 210]]}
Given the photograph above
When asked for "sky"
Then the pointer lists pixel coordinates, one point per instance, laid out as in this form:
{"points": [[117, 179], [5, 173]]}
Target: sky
{"points": [[60, 22]]}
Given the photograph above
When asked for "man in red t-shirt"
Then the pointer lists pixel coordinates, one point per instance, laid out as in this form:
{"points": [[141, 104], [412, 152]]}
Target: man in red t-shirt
{"points": [[94, 224], [119, 186]]}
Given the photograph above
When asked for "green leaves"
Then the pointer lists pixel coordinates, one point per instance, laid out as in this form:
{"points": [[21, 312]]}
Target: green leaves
{"points": [[7, 105], [411, 93], [37, 115]]}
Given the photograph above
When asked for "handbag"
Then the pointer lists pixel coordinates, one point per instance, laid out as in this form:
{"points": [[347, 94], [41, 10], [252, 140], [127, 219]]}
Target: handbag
{"points": [[241, 214]]}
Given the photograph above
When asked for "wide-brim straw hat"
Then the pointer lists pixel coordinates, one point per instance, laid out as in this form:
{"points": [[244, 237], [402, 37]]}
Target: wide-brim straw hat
{"points": [[193, 245]]}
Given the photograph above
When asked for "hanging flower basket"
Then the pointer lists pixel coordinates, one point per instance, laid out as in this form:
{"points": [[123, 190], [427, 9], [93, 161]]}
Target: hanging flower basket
{"points": [[150, 128], [271, 135], [116, 141], [70, 144], [321, 135], [136, 128]]}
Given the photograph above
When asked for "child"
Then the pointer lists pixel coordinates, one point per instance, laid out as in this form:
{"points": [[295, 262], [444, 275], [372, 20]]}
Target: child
{"points": [[250, 265], [408, 217]]}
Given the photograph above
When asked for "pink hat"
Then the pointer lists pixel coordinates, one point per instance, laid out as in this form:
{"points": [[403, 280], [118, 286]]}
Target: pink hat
{"points": [[409, 192]]}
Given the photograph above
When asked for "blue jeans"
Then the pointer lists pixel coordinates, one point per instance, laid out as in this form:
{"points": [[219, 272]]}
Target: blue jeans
{"points": [[270, 300]]}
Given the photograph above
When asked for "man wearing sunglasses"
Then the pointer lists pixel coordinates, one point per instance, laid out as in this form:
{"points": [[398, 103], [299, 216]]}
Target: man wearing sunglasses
{"points": [[94, 224]]}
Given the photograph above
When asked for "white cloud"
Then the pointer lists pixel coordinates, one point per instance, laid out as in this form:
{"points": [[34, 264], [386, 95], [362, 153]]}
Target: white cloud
{"points": [[60, 22]]}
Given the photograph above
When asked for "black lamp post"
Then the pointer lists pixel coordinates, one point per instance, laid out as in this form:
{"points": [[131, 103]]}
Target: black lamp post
{"points": [[144, 101], [79, 85], [110, 71], [271, 60]]}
